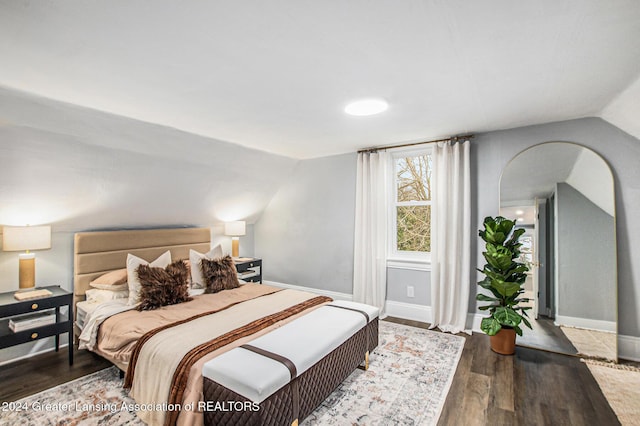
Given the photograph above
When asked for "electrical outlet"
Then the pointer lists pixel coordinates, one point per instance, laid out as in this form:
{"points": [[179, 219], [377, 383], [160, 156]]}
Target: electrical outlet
{"points": [[410, 292]]}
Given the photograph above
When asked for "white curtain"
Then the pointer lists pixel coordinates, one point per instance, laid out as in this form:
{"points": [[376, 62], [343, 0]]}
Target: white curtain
{"points": [[370, 248], [450, 236]]}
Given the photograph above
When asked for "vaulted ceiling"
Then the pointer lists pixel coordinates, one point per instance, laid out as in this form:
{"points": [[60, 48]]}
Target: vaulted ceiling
{"points": [[276, 75]]}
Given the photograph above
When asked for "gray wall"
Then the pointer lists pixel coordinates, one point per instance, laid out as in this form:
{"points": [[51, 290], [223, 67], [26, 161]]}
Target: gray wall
{"points": [[80, 169], [311, 197], [398, 279], [305, 235], [492, 151], [586, 257]]}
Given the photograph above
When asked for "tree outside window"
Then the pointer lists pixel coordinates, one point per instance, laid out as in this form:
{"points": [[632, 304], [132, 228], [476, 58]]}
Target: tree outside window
{"points": [[413, 203]]}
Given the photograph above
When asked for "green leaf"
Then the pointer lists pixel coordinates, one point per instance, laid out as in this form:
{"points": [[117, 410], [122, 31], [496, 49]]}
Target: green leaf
{"points": [[513, 240], [485, 298], [494, 231], [506, 289], [485, 281], [507, 316], [494, 275], [517, 268], [489, 286], [490, 326], [498, 257]]}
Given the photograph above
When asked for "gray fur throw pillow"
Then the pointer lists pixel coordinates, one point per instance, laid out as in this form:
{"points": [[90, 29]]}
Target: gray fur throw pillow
{"points": [[219, 274], [163, 286]]}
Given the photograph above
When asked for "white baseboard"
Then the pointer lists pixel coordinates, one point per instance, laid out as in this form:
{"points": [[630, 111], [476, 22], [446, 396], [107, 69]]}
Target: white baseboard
{"points": [[332, 294], [475, 319], [629, 347], [589, 324], [408, 311]]}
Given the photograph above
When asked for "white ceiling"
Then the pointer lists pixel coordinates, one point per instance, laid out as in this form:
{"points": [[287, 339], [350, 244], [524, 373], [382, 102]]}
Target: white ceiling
{"points": [[526, 217], [276, 75]]}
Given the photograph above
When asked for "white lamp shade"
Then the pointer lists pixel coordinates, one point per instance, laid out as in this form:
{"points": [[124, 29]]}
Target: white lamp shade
{"points": [[21, 238], [235, 229]]}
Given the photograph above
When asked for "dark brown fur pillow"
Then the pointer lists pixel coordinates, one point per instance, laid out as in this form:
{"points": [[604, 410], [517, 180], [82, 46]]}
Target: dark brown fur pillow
{"points": [[219, 274], [163, 286]]}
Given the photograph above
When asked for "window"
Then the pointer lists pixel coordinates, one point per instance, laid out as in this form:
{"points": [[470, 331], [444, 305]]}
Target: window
{"points": [[411, 206]]}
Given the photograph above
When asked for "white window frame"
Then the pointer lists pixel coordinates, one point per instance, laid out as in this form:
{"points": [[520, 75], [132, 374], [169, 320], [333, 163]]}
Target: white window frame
{"points": [[398, 258]]}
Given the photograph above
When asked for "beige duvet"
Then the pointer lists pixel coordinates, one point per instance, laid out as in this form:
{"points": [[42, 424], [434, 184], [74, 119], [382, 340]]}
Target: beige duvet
{"points": [[162, 354]]}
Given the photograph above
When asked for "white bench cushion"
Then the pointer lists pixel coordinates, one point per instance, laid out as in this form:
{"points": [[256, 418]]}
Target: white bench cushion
{"points": [[304, 341]]}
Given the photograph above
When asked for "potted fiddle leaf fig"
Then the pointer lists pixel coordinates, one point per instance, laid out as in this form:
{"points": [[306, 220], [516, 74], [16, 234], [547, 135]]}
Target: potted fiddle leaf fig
{"points": [[504, 279]]}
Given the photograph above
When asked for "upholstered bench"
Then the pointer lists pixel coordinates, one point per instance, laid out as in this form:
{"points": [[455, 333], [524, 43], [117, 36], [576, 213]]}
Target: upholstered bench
{"points": [[282, 376]]}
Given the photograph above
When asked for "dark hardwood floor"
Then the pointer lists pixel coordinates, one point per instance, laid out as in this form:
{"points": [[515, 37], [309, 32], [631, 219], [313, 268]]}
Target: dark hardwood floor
{"points": [[547, 336], [31, 375], [530, 388]]}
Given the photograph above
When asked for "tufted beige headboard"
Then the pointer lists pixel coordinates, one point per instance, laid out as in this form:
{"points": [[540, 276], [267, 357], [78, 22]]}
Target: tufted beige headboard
{"points": [[96, 253]]}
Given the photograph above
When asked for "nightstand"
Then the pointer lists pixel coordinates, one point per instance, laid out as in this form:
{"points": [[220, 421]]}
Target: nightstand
{"points": [[249, 269], [10, 307]]}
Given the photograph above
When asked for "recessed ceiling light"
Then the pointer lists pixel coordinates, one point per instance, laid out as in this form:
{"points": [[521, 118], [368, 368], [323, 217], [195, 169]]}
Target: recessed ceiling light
{"points": [[520, 219], [366, 107], [519, 212]]}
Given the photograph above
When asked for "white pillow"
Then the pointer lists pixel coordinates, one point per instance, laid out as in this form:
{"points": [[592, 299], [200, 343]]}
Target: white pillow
{"points": [[132, 273], [99, 296], [196, 291], [109, 287], [197, 280]]}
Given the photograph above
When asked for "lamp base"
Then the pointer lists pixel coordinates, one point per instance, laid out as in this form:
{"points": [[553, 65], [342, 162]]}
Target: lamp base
{"points": [[27, 275], [235, 247]]}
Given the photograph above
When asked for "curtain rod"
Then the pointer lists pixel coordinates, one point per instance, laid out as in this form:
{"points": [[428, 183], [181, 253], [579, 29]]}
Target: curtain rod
{"points": [[452, 138]]}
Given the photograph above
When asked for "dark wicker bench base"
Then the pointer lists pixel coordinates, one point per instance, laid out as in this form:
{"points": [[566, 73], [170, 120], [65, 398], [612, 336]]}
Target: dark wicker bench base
{"points": [[314, 385]]}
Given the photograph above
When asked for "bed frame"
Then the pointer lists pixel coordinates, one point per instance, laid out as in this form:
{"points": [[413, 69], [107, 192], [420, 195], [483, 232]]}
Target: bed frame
{"points": [[96, 253]]}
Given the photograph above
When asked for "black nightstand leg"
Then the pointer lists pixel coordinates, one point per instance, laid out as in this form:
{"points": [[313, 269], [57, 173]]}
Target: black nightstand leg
{"points": [[70, 341], [57, 335]]}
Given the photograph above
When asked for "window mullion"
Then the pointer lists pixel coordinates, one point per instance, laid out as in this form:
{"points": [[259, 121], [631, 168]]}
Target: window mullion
{"points": [[412, 203]]}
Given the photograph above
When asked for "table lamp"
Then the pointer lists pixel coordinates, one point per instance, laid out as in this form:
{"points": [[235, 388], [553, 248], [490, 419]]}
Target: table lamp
{"points": [[19, 238], [235, 230]]}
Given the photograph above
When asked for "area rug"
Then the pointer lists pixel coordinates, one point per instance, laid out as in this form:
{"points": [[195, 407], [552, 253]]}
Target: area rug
{"points": [[407, 383], [591, 343], [620, 384]]}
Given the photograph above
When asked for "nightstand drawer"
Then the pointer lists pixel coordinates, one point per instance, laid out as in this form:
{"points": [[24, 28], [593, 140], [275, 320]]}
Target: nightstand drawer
{"points": [[250, 270], [11, 339], [36, 305], [241, 267]]}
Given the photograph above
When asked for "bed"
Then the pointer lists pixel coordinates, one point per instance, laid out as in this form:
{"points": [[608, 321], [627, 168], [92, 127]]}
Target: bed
{"points": [[162, 373]]}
